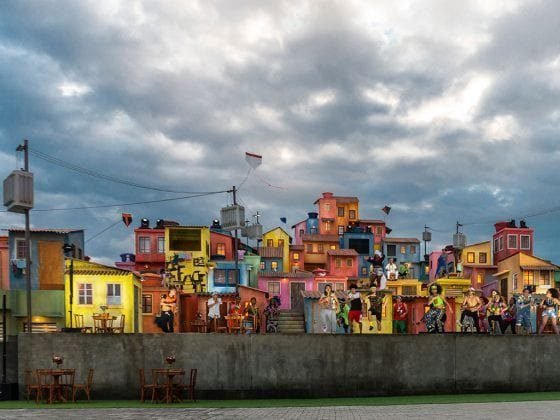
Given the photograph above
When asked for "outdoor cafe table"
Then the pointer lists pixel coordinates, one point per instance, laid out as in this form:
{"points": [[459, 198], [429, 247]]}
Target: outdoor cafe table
{"points": [[170, 386], [105, 322], [57, 383]]}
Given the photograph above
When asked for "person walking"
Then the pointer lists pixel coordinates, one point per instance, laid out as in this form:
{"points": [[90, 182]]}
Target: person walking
{"points": [[400, 316], [550, 310], [523, 316], [355, 314], [329, 309]]}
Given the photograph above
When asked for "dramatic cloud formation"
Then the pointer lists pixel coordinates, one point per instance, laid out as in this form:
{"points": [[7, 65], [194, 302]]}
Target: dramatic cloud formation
{"points": [[444, 110]]}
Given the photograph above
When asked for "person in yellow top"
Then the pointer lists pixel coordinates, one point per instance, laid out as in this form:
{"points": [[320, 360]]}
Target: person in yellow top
{"points": [[435, 317], [496, 306]]}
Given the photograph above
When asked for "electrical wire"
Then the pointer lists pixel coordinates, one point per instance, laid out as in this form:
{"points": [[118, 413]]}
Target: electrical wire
{"points": [[59, 162], [103, 231]]}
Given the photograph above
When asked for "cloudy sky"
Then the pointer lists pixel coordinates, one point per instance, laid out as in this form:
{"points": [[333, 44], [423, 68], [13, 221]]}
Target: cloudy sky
{"points": [[443, 110]]}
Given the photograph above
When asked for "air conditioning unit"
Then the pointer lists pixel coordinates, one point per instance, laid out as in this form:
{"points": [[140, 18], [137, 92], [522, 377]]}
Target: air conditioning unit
{"points": [[18, 191]]}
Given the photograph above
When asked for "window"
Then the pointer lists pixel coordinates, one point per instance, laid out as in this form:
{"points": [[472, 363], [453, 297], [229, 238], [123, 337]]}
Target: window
{"points": [[223, 277], [544, 278], [496, 245], [280, 243], [412, 249], [341, 230], [310, 248], [270, 243], [352, 214], [274, 288], [327, 226], [391, 250], [479, 278], [470, 257], [296, 256], [113, 294], [332, 247], [528, 277], [221, 249], [525, 242], [274, 265], [512, 241], [412, 273], [341, 212], [85, 294], [514, 282], [144, 245], [161, 244], [338, 262], [301, 232], [339, 286], [364, 271], [403, 249], [147, 303], [501, 243], [21, 250], [349, 262], [409, 290], [262, 266], [482, 257], [320, 248]]}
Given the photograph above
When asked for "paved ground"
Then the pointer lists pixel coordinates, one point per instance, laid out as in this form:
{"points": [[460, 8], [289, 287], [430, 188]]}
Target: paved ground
{"points": [[522, 410]]}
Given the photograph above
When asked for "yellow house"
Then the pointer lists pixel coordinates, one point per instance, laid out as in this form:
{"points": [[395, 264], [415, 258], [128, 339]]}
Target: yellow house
{"points": [[96, 287], [279, 238], [477, 263], [406, 287], [187, 257], [520, 270]]}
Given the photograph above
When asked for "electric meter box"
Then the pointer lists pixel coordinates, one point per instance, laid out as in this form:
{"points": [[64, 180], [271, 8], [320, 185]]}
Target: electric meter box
{"points": [[18, 191]]}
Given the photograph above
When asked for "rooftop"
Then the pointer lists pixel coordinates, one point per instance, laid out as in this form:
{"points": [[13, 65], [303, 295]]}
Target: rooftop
{"points": [[343, 252], [315, 237], [402, 240]]}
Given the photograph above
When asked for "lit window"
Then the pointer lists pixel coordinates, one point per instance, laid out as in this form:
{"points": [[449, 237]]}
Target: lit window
{"points": [[482, 258], [221, 249], [341, 230], [320, 248], [470, 257], [332, 247], [525, 242], [544, 278], [364, 271], [85, 294], [113, 294], [147, 303], [341, 212], [274, 288], [479, 278], [512, 241], [144, 245], [270, 243], [274, 265], [280, 243], [403, 249], [161, 244], [327, 226], [352, 214], [296, 256], [262, 266], [528, 277]]}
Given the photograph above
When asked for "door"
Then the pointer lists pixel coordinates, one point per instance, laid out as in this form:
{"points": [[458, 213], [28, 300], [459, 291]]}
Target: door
{"points": [[187, 312], [504, 288], [296, 299]]}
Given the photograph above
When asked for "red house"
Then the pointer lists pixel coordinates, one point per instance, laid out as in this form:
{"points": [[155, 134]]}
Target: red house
{"points": [[510, 239], [342, 262]]}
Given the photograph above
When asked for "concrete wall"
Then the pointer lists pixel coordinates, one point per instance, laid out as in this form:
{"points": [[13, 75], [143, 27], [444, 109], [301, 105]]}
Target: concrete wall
{"points": [[306, 365]]}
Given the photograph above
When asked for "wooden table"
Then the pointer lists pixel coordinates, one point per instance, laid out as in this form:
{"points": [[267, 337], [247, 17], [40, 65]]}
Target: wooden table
{"points": [[105, 323], [199, 325], [164, 380], [56, 386]]}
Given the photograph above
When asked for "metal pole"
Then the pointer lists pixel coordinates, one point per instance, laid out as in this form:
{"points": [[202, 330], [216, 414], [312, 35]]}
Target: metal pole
{"points": [[235, 256], [27, 244], [71, 290], [4, 338]]}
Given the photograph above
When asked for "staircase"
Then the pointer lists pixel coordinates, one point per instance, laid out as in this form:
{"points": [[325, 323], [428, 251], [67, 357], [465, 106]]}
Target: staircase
{"points": [[291, 323]]}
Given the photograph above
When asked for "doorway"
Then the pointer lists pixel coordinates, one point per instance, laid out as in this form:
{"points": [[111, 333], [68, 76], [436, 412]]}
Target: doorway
{"points": [[296, 299]]}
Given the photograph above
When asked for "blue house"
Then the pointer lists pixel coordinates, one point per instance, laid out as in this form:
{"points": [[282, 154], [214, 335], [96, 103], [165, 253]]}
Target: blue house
{"points": [[224, 278], [361, 240], [404, 250]]}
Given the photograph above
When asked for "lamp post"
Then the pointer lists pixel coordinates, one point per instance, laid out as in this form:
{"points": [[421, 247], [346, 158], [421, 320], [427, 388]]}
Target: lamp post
{"points": [[70, 248]]}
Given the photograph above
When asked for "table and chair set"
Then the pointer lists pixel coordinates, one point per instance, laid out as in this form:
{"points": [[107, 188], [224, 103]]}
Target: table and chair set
{"points": [[56, 384], [235, 324], [104, 323], [168, 385]]}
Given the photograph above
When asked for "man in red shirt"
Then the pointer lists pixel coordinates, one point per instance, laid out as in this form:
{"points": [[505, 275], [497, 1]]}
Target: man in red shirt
{"points": [[400, 314], [355, 314]]}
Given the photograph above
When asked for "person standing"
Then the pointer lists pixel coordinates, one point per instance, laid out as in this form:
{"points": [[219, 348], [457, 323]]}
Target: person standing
{"points": [[355, 314], [435, 317], [167, 305], [550, 310], [214, 309], [342, 316], [329, 309], [470, 307], [508, 316], [392, 270], [400, 316], [523, 316], [496, 305], [377, 276]]}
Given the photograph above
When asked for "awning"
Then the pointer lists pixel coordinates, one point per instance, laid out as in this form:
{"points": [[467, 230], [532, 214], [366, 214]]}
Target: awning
{"points": [[501, 273]]}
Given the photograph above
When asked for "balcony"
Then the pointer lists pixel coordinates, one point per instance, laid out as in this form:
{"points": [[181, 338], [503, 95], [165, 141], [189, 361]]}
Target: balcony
{"points": [[152, 257], [315, 258]]}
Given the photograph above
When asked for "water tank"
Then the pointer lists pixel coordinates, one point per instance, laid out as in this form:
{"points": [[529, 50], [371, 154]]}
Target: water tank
{"points": [[459, 240], [18, 191], [426, 236], [312, 224]]}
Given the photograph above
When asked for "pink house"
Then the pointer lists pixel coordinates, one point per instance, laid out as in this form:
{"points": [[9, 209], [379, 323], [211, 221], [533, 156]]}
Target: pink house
{"points": [[433, 261], [342, 262], [300, 229], [287, 286]]}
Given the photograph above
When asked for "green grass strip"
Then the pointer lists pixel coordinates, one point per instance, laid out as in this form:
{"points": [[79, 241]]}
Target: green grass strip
{"points": [[317, 402]]}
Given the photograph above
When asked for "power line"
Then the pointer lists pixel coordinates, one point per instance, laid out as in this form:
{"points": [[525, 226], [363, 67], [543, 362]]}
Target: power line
{"points": [[59, 162], [103, 231]]}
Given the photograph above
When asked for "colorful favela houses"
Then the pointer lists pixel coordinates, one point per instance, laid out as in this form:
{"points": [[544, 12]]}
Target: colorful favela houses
{"points": [[47, 277], [477, 260], [100, 297]]}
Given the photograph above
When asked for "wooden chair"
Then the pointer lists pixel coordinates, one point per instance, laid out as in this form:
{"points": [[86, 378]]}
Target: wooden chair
{"points": [[30, 383], [190, 387], [234, 323], [44, 385], [144, 386], [79, 321], [159, 383], [65, 386], [251, 324], [84, 387], [119, 329], [218, 328]]}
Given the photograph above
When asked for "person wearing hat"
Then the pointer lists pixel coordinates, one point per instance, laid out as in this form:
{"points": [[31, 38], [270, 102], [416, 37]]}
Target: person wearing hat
{"points": [[470, 307], [400, 315], [214, 309]]}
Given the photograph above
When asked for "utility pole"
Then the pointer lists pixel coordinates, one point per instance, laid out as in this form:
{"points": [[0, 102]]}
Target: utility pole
{"points": [[25, 149], [235, 256]]}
